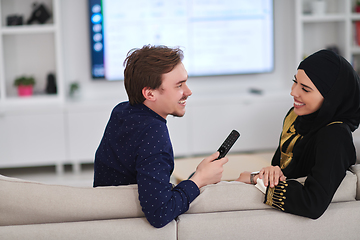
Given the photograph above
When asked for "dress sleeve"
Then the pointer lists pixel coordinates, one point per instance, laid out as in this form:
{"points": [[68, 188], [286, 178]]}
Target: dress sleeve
{"points": [[334, 154], [160, 201]]}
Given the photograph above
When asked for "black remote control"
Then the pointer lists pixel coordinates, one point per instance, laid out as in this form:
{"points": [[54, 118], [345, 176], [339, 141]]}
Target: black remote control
{"points": [[225, 147], [228, 143]]}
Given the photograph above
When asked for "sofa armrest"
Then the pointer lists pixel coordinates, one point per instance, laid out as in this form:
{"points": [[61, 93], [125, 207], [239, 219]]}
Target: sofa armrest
{"points": [[356, 169], [347, 189]]}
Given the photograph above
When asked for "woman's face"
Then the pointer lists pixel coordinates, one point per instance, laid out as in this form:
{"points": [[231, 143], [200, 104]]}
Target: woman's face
{"points": [[307, 98]]}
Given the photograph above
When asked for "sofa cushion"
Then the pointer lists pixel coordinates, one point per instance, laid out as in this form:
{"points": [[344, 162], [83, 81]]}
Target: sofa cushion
{"points": [[132, 228], [26, 202], [228, 196], [356, 169], [235, 196], [347, 188], [340, 221]]}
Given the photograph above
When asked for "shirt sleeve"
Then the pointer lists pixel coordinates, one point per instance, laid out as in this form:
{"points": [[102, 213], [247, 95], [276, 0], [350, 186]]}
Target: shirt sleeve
{"points": [[160, 201], [334, 153]]}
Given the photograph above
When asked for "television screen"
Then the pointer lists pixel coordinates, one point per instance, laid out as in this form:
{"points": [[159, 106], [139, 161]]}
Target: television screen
{"points": [[218, 37]]}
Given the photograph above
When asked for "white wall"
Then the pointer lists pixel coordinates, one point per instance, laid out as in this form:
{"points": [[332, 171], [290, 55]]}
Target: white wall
{"points": [[77, 58]]}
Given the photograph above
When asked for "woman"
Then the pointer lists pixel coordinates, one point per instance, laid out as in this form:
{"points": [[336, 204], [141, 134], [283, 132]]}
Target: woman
{"points": [[316, 140]]}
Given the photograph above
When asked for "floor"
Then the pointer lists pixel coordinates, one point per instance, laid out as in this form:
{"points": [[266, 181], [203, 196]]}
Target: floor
{"points": [[183, 167], [237, 163]]}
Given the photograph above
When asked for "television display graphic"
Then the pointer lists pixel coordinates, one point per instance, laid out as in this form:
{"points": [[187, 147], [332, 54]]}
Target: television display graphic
{"points": [[218, 37]]}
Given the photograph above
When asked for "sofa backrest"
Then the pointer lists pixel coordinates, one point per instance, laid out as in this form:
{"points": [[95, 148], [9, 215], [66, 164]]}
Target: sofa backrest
{"points": [[236, 196], [356, 170], [26, 202]]}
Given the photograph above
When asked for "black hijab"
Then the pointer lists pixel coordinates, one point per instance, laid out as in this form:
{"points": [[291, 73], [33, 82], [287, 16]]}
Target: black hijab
{"points": [[339, 84]]}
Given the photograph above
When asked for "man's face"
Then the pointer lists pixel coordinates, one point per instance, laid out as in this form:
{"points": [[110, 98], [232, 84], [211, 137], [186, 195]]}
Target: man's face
{"points": [[172, 94]]}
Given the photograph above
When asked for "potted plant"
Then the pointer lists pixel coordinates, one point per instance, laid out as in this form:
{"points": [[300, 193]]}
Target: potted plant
{"points": [[74, 90], [24, 85]]}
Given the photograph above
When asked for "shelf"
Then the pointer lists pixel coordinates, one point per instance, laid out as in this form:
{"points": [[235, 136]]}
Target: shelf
{"points": [[335, 28], [355, 50], [34, 99], [28, 29], [355, 16], [323, 18]]}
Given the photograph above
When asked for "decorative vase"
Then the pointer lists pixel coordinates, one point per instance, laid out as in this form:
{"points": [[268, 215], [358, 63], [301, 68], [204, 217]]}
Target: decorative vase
{"points": [[318, 7], [357, 8], [25, 90]]}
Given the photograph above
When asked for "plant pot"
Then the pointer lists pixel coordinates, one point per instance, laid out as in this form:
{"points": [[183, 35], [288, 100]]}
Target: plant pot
{"points": [[25, 90]]}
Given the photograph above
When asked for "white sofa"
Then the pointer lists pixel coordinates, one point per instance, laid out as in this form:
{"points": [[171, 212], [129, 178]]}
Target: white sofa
{"points": [[227, 210]]}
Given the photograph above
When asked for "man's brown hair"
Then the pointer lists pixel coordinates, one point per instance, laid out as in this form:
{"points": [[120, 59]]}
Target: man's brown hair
{"points": [[144, 67]]}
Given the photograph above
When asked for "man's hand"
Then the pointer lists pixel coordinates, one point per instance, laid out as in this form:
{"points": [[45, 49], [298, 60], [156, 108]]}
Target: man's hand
{"points": [[209, 171]]}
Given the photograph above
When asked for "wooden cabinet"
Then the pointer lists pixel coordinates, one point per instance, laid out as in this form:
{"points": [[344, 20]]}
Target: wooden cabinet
{"points": [[32, 138], [85, 127]]}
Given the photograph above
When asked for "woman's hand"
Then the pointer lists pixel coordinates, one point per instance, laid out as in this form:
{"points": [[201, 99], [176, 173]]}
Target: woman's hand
{"points": [[271, 176]]}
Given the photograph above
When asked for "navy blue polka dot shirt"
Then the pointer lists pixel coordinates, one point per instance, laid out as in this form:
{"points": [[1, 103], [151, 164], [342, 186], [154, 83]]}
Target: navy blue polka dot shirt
{"points": [[136, 149]]}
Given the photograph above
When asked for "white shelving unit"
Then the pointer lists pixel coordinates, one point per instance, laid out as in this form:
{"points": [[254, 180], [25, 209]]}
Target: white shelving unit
{"points": [[333, 28], [336, 27], [33, 50], [32, 128]]}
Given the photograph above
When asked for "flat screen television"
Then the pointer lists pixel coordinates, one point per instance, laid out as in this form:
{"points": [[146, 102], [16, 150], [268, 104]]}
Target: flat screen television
{"points": [[218, 37]]}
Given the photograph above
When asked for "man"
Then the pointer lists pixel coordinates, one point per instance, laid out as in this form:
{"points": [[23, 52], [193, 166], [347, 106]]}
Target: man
{"points": [[136, 147]]}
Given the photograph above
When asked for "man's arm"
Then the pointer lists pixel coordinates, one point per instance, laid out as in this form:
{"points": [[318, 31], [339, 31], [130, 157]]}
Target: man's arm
{"points": [[160, 202]]}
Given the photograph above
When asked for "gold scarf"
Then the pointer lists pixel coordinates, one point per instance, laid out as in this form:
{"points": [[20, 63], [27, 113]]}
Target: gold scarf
{"points": [[287, 132]]}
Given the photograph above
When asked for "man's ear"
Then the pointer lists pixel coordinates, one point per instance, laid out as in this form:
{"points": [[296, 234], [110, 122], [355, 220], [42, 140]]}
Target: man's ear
{"points": [[148, 94]]}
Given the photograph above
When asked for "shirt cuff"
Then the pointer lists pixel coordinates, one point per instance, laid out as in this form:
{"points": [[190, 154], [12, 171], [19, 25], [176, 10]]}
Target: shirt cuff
{"points": [[190, 188]]}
